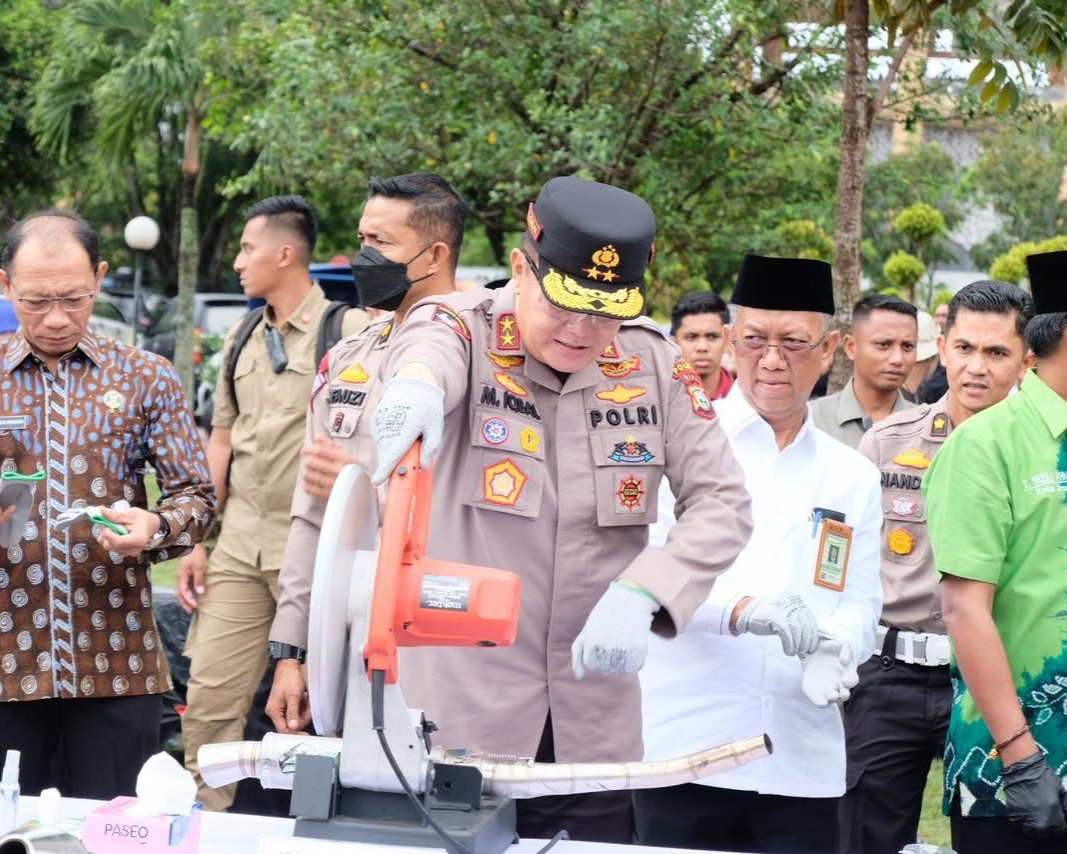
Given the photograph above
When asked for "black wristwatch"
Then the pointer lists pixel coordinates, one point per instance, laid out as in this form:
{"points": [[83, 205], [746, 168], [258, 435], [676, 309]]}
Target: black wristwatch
{"points": [[160, 536], [278, 651]]}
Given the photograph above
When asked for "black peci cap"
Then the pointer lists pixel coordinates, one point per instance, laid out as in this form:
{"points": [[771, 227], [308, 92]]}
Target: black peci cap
{"points": [[785, 284], [1048, 281], [595, 242]]}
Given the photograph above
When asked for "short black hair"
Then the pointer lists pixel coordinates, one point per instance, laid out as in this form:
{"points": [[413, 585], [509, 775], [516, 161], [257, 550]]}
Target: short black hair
{"points": [[698, 302], [438, 210], [52, 223], [993, 297], [1044, 333], [863, 309], [293, 213]]}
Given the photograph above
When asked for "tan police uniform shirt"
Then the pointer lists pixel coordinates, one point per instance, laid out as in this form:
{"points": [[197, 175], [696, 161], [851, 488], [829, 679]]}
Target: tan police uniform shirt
{"points": [[902, 447], [842, 416], [558, 482], [268, 431], [346, 391]]}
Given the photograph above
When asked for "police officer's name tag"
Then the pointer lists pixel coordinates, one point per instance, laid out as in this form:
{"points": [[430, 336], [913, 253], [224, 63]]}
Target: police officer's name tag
{"points": [[831, 560], [14, 422]]}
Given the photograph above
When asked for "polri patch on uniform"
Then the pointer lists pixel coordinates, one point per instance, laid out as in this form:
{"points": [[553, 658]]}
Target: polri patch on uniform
{"points": [[900, 542], [505, 362], [619, 370], [510, 383], [903, 506], [354, 374], [913, 459], [452, 320], [503, 483], [14, 422], [507, 331], [621, 394], [939, 426], [698, 398], [495, 431], [631, 493], [530, 440], [631, 451]]}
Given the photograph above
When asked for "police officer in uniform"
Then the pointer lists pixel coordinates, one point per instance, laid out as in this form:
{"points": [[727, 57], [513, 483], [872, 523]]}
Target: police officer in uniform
{"points": [[411, 230], [557, 409], [896, 720]]}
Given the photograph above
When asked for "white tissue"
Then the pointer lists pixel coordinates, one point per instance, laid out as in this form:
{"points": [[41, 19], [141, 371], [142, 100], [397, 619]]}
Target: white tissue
{"points": [[163, 786]]}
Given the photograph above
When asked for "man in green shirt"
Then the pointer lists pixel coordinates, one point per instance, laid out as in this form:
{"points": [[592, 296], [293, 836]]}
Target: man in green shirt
{"points": [[997, 512]]}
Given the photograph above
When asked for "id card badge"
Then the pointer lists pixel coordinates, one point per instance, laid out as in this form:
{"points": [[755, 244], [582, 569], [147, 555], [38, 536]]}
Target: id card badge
{"points": [[831, 559]]}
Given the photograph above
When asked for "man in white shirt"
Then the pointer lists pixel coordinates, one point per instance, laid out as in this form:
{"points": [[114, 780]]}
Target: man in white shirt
{"points": [[817, 514]]}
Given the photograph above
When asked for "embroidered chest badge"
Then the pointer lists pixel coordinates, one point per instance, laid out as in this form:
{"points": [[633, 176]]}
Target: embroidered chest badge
{"points": [[900, 542], [354, 374], [903, 506], [503, 483], [510, 383], [505, 362], [620, 394], [618, 370], [913, 459], [453, 321], [631, 451], [631, 493], [495, 431]]}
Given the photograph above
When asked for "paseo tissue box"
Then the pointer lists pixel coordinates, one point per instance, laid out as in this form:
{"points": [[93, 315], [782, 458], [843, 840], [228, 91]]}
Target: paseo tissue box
{"points": [[110, 828]]}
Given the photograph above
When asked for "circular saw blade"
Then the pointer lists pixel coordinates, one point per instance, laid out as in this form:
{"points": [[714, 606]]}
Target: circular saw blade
{"points": [[349, 527]]}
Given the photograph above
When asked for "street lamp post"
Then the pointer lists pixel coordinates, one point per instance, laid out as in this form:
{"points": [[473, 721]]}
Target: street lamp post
{"points": [[142, 235]]}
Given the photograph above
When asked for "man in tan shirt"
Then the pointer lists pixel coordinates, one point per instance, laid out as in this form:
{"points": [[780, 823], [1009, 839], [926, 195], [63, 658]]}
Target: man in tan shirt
{"points": [[253, 454], [558, 409], [411, 230], [896, 720]]}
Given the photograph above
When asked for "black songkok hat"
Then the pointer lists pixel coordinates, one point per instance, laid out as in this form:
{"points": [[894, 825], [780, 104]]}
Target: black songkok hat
{"points": [[785, 284], [595, 242], [1048, 281]]}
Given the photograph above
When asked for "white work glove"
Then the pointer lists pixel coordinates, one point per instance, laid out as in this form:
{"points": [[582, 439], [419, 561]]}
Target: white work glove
{"points": [[786, 616], [615, 636], [409, 408], [829, 673]]}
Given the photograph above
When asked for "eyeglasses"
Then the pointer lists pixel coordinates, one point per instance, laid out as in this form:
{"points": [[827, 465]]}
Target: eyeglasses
{"points": [[69, 304], [562, 315], [790, 349]]}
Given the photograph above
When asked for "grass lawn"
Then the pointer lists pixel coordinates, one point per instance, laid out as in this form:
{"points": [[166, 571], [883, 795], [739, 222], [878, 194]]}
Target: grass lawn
{"points": [[163, 574]]}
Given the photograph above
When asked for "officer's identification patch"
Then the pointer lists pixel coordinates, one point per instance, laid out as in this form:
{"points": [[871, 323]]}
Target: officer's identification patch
{"points": [[903, 506], [698, 398], [621, 394], [505, 362], [831, 559], [618, 370], [530, 440], [453, 321], [14, 422], [338, 422], [631, 494], [912, 459], [900, 542], [503, 483], [509, 383], [354, 374], [631, 451], [507, 332], [113, 400], [939, 426], [495, 431]]}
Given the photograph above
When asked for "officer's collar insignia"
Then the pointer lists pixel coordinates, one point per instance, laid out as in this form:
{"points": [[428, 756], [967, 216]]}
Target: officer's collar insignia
{"points": [[912, 459], [611, 351], [631, 493], [604, 259], [354, 374], [620, 394], [509, 383], [625, 303], [939, 426], [618, 370], [631, 451], [505, 362], [507, 331], [383, 336], [502, 483]]}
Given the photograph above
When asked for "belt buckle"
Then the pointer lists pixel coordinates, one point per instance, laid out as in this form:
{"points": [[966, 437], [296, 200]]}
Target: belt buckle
{"points": [[938, 650]]}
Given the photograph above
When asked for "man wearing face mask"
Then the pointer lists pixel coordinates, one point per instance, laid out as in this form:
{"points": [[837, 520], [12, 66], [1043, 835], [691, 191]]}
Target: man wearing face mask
{"points": [[411, 229], [558, 409]]}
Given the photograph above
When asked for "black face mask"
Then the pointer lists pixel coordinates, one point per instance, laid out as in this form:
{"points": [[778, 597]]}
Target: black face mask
{"points": [[381, 283]]}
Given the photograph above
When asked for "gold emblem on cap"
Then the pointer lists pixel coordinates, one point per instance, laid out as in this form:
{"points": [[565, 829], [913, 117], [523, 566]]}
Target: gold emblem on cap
{"points": [[562, 290], [605, 256]]}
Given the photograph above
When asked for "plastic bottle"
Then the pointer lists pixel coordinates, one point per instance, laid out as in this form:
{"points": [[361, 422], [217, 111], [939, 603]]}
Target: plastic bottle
{"points": [[9, 793], [48, 808]]}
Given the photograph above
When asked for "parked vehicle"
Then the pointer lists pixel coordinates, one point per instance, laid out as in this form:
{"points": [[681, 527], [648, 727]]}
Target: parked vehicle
{"points": [[108, 320], [213, 315]]}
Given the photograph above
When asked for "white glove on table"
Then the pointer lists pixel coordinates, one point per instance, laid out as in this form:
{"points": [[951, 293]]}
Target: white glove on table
{"points": [[615, 636], [409, 408], [829, 673], [786, 616]]}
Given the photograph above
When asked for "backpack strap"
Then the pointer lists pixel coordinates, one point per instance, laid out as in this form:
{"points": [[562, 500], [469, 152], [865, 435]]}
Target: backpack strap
{"points": [[240, 338], [331, 328]]}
